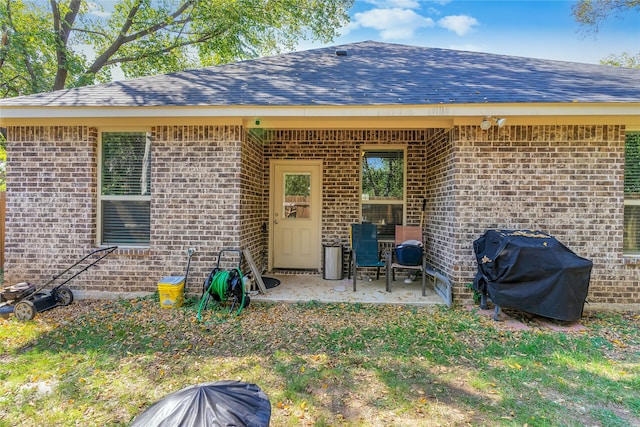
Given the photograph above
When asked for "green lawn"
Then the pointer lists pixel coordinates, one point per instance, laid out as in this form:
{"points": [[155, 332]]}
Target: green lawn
{"points": [[97, 363]]}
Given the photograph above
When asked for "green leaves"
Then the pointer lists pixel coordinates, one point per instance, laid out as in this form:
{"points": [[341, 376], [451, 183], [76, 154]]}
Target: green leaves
{"points": [[591, 13], [28, 49], [623, 60], [147, 37]]}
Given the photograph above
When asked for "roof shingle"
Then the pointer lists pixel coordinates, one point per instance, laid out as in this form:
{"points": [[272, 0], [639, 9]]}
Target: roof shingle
{"points": [[371, 74]]}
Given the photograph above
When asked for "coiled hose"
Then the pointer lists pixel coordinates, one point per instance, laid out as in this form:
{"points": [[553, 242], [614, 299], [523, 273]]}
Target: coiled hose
{"points": [[218, 287]]}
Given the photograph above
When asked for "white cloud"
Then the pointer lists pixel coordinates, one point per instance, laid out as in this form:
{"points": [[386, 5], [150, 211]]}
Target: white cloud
{"points": [[351, 26], [460, 24], [392, 4], [393, 23]]}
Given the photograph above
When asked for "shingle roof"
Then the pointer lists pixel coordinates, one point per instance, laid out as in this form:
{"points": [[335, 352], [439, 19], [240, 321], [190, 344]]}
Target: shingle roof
{"points": [[371, 73]]}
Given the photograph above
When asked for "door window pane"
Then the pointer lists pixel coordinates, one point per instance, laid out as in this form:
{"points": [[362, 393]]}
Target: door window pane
{"points": [[297, 191]]}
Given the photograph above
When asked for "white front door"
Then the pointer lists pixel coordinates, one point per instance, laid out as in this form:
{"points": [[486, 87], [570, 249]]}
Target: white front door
{"points": [[296, 210]]}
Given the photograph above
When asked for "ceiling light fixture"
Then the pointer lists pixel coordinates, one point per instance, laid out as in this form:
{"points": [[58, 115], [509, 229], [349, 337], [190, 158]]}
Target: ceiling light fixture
{"points": [[486, 122]]}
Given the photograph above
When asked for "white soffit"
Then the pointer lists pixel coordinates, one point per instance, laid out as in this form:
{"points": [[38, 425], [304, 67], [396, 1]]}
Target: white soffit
{"points": [[275, 114]]}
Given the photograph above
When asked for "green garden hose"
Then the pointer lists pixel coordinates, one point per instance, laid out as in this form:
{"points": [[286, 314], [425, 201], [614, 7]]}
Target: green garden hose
{"points": [[218, 287]]}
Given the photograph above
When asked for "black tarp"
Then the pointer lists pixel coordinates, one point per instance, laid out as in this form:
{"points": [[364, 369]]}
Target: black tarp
{"points": [[221, 403], [533, 272]]}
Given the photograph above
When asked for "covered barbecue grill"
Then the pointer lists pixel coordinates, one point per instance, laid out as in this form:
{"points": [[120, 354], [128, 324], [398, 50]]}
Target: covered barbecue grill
{"points": [[531, 271]]}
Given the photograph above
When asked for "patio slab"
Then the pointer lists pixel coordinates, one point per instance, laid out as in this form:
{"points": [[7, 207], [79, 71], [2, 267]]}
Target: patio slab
{"points": [[312, 287]]}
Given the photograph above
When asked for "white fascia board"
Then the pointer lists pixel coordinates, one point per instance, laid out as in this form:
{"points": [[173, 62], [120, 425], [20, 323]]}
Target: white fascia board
{"points": [[574, 109]]}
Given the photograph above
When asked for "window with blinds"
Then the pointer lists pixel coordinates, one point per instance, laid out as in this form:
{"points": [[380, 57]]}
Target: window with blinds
{"points": [[125, 188], [383, 189], [632, 194]]}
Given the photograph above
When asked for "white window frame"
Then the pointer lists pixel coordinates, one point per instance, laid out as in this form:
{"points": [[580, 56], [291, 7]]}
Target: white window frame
{"points": [[102, 197], [391, 147]]}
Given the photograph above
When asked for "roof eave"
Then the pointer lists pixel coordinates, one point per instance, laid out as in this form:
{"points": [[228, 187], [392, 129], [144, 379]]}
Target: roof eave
{"points": [[270, 116]]}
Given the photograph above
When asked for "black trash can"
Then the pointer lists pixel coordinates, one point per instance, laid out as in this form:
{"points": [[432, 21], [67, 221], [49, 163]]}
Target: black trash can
{"points": [[332, 267]]}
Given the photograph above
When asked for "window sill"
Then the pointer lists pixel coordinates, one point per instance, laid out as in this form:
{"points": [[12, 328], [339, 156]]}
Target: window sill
{"points": [[131, 251]]}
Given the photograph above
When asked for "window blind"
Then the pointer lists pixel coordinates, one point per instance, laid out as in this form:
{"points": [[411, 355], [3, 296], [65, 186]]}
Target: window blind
{"points": [[631, 234], [126, 161], [125, 222], [125, 188]]}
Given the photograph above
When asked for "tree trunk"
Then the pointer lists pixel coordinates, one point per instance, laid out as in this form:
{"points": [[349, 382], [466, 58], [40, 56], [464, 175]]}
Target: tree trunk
{"points": [[62, 28]]}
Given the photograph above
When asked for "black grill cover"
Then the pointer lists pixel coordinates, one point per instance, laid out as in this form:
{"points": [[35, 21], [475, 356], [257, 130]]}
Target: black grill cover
{"points": [[533, 272], [221, 403]]}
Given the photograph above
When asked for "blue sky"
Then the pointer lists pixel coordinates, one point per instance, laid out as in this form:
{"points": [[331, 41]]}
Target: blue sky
{"points": [[538, 29], [532, 28]]}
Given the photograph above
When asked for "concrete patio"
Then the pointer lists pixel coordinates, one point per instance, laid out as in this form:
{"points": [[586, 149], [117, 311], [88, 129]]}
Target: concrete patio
{"points": [[312, 287]]}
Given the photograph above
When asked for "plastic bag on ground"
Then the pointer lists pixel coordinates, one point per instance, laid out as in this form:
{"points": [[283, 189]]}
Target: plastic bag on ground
{"points": [[220, 403]]}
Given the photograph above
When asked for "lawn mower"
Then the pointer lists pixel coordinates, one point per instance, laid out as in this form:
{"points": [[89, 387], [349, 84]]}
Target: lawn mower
{"points": [[224, 286], [24, 299]]}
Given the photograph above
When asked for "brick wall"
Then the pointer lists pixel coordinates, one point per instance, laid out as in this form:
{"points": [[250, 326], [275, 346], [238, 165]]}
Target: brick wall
{"points": [[52, 202], [563, 180], [440, 216], [253, 202], [196, 198], [50, 172], [210, 190], [51, 208], [340, 153]]}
